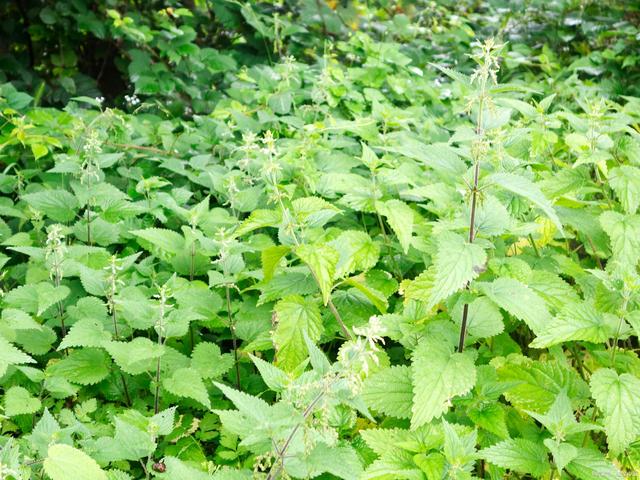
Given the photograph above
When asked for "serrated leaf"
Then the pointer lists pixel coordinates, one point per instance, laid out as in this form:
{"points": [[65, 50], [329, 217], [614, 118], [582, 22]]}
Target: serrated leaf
{"points": [[624, 233], [618, 396], [483, 318], [534, 385], [591, 465], [400, 218], [313, 211], [259, 219], [438, 375], [64, 462], [85, 367], [456, 263], [390, 391], [625, 181], [10, 355], [357, 252], [322, 260], [296, 317], [165, 240], [187, 383], [58, 205], [138, 356], [207, 359], [518, 300], [18, 401], [524, 187], [520, 455], [580, 321], [273, 377], [36, 298], [85, 333], [271, 257]]}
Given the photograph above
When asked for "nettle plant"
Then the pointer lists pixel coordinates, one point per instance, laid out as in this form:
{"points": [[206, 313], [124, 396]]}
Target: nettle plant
{"points": [[355, 268]]}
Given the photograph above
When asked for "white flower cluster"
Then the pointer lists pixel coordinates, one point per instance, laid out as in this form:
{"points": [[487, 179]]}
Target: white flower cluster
{"points": [[132, 100]]}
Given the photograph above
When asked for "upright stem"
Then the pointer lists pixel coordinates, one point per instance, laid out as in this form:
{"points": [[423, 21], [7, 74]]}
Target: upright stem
{"points": [[234, 339], [474, 199], [125, 388], [278, 466], [88, 215]]}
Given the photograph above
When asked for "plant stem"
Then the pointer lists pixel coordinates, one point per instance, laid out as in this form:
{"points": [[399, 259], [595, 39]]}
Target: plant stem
{"points": [[234, 339], [125, 387], [278, 466], [474, 199], [472, 221]]}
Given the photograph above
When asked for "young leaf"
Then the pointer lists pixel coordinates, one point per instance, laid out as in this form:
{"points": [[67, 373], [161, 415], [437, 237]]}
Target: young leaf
{"points": [[399, 215], [625, 181], [618, 396], [18, 401], [438, 376], [390, 391], [64, 462], [520, 455], [296, 317], [624, 232], [519, 300], [579, 321], [322, 260], [135, 357], [457, 262], [187, 383], [526, 188]]}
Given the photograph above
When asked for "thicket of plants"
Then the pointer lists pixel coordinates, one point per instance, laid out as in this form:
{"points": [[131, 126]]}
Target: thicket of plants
{"points": [[319, 239]]}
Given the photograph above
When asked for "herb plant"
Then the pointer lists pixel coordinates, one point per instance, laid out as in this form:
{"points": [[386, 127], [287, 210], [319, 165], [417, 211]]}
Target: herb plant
{"points": [[318, 239]]}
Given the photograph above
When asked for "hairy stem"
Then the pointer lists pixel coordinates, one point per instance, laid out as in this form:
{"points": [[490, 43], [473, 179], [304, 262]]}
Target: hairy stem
{"points": [[278, 465], [234, 339]]}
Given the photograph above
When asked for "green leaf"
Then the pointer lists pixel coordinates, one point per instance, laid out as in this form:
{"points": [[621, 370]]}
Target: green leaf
{"points": [[526, 188], [456, 262], [390, 391], [259, 219], [207, 359], [357, 252], [313, 211], [624, 233], [618, 396], [534, 385], [138, 356], [165, 240], [519, 300], [591, 465], [271, 257], [64, 462], [520, 455], [18, 401], [483, 318], [322, 260], [10, 355], [85, 333], [276, 379], [296, 316], [625, 181], [36, 298], [438, 375], [58, 205], [179, 470], [579, 321], [400, 217], [187, 383], [85, 367]]}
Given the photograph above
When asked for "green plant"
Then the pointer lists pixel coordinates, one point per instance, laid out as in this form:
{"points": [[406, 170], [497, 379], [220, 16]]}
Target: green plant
{"points": [[319, 239]]}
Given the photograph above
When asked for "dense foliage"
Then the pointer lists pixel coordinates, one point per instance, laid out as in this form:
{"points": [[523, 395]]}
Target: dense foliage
{"points": [[333, 239]]}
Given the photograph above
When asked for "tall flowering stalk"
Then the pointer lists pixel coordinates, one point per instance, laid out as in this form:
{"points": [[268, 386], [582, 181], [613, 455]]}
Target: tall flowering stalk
{"points": [[485, 75]]}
